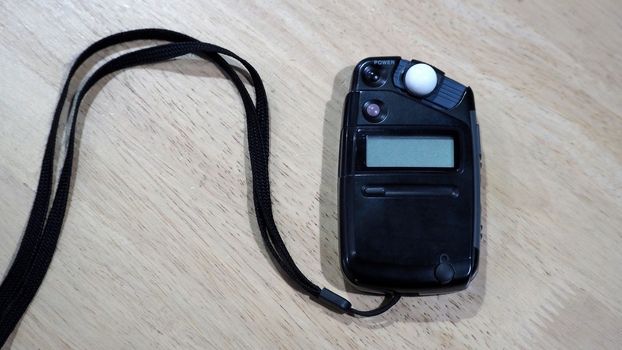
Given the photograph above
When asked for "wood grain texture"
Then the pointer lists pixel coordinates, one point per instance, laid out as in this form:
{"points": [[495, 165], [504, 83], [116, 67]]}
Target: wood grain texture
{"points": [[160, 249]]}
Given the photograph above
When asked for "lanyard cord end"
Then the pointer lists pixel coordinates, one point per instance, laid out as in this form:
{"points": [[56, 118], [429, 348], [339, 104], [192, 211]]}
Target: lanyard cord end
{"points": [[331, 299]]}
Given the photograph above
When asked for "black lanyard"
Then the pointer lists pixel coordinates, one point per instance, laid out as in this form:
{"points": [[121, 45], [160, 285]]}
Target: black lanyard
{"points": [[44, 225]]}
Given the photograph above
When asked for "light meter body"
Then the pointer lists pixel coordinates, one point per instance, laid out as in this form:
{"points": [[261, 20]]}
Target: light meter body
{"points": [[409, 179]]}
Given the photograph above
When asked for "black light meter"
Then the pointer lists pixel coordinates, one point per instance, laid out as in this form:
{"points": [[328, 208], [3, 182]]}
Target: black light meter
{"points": [[409, 179]]}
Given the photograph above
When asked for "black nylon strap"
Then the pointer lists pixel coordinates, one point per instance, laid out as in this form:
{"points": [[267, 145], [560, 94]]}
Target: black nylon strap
{"points": [[44, 225]]}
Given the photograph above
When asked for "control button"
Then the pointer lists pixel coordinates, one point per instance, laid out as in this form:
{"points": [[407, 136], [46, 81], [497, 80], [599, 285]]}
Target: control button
{"points": [[444, 272], [372, 110], [370, 74], [420, 79], [374, 75]]}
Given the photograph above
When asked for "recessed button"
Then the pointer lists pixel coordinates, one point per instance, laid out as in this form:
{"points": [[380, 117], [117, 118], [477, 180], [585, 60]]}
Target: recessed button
{"points": [[372, 110], [374, 75], [444, 273]]}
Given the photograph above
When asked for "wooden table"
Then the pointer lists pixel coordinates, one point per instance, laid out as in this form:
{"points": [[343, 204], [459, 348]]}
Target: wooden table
{"points": [[160, 249]]}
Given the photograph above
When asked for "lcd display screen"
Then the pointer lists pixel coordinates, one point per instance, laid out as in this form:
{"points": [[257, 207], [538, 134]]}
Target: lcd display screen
{"points": [[409, 151]]}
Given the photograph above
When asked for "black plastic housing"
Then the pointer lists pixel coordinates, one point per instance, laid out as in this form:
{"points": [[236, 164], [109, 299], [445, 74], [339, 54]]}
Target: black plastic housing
{"points": [[410, 230]]}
